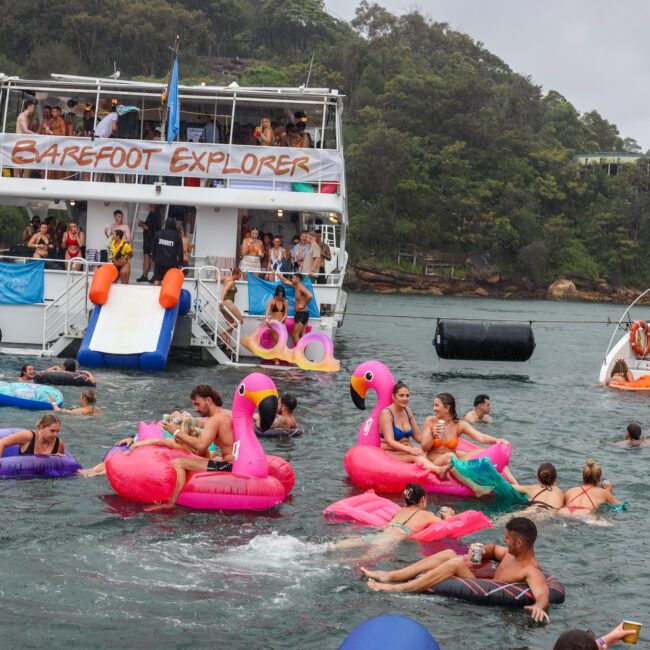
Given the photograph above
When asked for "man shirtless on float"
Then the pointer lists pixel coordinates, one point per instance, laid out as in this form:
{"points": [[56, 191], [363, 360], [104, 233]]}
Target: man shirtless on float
{"points": [[517, 563], [217, 429]]}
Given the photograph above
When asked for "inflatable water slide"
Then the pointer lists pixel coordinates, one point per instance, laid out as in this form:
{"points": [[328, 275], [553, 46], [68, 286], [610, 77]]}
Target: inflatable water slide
{"points": [[132, 325]]}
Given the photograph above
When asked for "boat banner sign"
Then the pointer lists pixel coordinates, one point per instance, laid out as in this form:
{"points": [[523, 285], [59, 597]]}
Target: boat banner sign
{"points": [[22, 284], [151, 158]]}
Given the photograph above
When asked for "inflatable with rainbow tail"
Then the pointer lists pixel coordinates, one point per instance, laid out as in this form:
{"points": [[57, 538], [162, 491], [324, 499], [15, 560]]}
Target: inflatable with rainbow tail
{"points": [[371, 467], [257, 481]]}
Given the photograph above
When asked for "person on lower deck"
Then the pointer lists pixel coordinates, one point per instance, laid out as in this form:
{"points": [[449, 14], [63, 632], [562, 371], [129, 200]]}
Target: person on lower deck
{"points": [[544, 495], [586, 498], [517, 563], [302, 300], [44, 441], [217, 429]]}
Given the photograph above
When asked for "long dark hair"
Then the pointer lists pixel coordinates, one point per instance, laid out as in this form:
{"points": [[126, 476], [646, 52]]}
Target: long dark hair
{"points": [[449, 401], [413, 494], [280, 292]]}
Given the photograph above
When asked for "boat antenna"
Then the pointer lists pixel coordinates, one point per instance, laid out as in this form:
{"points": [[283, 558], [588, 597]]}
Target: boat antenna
{"points": [[311, 63], [174, 50]]}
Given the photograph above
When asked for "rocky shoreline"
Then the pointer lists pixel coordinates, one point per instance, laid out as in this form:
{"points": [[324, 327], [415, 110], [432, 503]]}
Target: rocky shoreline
{"points": [[376, 279]]}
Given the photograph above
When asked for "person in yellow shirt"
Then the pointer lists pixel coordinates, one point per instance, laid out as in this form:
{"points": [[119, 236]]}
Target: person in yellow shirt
{"points": [[121, 252]]}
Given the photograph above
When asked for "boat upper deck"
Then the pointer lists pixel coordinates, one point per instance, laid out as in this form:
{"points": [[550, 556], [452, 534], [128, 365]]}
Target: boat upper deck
{"points": [[245, 147]]}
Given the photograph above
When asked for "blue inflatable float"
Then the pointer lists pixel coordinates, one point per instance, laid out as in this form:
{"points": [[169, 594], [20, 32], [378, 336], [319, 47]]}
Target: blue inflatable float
{"points": [[390, 633], [13, 465], [29, 396]]}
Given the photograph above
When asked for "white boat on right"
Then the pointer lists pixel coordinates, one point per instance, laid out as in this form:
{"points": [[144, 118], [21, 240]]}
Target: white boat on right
{"points": [[633, 347]]}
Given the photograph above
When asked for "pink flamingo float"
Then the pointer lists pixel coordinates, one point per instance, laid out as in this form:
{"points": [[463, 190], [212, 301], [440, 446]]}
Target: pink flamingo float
{"points": [[257, 481], [371, 467]]}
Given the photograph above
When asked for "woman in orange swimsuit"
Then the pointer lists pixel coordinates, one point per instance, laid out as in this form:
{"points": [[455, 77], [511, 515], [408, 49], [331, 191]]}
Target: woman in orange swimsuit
{"points": [[441, 432], [585, 498]]}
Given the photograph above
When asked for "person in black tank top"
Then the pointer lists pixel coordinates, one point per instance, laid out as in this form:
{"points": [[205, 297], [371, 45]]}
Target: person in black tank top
{"points": [[43, 442]]}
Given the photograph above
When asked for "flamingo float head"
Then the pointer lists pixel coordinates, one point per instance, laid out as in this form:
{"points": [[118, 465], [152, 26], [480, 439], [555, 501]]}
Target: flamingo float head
{"points": [[371, 375], [255, 391]]}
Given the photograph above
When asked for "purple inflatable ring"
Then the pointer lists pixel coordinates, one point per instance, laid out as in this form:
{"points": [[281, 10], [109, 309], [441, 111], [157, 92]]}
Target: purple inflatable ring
{"points": [[13, 465]]}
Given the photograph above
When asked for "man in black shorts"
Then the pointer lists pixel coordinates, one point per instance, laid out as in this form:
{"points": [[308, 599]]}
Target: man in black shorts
{"points": [[167, 250], [303, 297], [150, 227]]}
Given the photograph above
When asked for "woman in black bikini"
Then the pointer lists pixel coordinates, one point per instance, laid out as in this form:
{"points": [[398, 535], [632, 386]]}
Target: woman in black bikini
{"points": [[42, 442], [544, 495], [41, 243]]}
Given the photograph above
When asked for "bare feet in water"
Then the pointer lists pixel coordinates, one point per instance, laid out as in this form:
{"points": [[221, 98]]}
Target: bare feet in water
{"points": [[375, 585], [379, 576]]}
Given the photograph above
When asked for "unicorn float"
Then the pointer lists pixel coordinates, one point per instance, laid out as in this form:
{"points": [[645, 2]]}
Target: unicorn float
{"points": [[257, 481], [371, 467]]}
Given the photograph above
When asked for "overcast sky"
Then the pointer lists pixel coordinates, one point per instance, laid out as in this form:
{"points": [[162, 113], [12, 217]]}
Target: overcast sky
{"points": [[594, 52]]}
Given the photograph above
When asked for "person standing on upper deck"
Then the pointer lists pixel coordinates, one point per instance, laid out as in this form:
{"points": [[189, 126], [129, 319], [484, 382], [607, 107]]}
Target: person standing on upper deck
{"points": [[25, 125], [44, 128], [108, 125]]}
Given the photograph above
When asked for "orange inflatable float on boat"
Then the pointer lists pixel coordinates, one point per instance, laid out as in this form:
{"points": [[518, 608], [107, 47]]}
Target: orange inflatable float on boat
{"points": [[642, 383]]}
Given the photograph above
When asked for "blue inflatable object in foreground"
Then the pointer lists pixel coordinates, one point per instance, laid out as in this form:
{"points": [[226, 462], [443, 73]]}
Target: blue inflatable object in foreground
{"points": [[29, 396], [390, 633]]}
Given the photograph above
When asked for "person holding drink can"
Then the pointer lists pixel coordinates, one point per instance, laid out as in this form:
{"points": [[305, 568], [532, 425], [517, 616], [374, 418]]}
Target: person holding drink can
{"points": [[584, 499], [627, 631], [516, 563]]}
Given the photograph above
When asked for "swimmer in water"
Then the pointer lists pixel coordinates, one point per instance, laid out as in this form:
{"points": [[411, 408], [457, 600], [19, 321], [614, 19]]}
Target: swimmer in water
{"points": [[27, 373], [481, 412], [544, 495], [632, 437], [408, 520], [586, 498], [88, 401]]}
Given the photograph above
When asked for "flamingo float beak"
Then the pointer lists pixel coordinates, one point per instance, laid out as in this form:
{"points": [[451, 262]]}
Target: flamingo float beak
{"points": [[266, 402], [358, 392]]}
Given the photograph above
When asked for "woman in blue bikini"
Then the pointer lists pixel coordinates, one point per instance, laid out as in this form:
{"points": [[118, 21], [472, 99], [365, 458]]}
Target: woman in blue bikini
{"points": [[398, 427]]}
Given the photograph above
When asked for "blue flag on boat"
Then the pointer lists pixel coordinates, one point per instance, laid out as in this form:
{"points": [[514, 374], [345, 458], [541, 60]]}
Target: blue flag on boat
{"points": [[173, 109], [261, 291], [22, 284]]}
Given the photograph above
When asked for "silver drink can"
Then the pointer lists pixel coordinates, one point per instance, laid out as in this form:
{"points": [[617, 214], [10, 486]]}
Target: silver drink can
{"points": [[476, 553], [166, 417], [606, 484], [444, 510]]}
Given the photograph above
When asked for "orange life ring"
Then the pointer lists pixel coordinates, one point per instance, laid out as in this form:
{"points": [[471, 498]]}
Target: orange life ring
{"points": [[638, 331]]}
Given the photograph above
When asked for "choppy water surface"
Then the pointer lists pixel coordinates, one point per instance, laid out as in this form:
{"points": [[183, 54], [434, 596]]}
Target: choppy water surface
{"points": [[81, 568]]}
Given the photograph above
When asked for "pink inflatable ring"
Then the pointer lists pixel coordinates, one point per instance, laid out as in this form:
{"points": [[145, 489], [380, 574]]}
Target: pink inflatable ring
{"points": [[371, 467]]}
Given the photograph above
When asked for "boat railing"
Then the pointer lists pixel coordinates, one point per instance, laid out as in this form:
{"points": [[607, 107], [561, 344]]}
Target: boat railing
{"points": [[67, 314], [624, 317]]}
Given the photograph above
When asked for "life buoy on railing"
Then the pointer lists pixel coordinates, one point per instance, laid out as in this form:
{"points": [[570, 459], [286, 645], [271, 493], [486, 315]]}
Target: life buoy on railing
{"points": [[640, 338]]}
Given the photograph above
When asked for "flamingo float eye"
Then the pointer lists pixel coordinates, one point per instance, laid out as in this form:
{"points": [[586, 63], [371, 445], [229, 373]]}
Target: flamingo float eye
{"points": [[369, 376], [242, 389]]}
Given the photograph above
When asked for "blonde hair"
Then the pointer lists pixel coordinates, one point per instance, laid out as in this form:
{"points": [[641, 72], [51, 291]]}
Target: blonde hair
{"points": [[190, 426], [48, 420], [592, 472], [90, 396]]}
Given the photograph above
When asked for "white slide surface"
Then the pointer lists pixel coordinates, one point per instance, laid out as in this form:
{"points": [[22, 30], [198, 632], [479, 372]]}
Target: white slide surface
{"points": [[130, 321]]}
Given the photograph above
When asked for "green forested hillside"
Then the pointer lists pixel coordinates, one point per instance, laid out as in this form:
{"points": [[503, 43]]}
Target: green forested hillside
{"points": [[446, 147]]}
